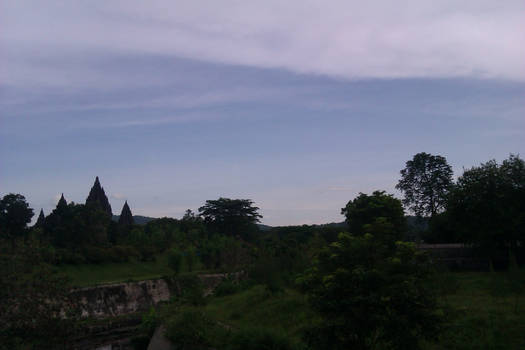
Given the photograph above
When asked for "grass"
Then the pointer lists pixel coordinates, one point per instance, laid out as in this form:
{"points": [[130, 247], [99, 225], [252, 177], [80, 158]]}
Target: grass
{"points": [[286, 312], [92, 274], [487, 311], [278, 318], [483, 311]]}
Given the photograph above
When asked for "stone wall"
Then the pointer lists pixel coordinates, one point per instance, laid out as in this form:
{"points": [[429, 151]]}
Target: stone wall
{"points": [[118, 299]]}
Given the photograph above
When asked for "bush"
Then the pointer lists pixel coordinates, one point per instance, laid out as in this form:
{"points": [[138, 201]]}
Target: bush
{"points": [[226, 287], [260, 339], [190, 290], [189, 330], [66, 256], [267, 271], [97, 255], [371, 295], [175, 261]]}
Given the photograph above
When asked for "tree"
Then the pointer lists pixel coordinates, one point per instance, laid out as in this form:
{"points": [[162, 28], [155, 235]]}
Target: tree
{"points": [[32, 299], [370, 296], [425, 182], [15, 214], [380, 213], [487, 206], [230, 216], [175, 261]]}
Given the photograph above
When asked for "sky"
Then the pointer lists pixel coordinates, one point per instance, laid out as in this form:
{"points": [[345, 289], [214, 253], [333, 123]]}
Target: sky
{"points": [[296, 105]]}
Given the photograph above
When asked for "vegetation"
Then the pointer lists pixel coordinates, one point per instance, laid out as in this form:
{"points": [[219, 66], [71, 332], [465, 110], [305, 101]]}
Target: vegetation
{"points": [[487, 208], [425, 183], [350, 285], [380, 213], [231, 216]]}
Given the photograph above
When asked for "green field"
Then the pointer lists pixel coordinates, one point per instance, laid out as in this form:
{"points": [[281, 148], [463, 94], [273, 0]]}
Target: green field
{"points": [[482, 311], [83, 275]]}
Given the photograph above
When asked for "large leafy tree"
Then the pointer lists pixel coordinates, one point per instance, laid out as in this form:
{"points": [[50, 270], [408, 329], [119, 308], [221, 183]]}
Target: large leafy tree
{"points": [[380, 213], [487, 206], [15, 214], [77, 225], [425, 183], [370, 295], [230, 216]]}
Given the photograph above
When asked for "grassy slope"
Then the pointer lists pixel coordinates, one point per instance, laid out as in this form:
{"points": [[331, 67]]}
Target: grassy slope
{"points": [[286, 312], [486, 314], [482, 312]]}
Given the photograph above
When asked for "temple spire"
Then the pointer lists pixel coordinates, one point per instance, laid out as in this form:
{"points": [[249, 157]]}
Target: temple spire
{"points": [[41, 219], [98, 196], [62, 203], [126, 218]]}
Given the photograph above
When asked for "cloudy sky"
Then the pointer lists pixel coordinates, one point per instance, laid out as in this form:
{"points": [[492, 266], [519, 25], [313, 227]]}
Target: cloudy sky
{"points": [[297, 105]]}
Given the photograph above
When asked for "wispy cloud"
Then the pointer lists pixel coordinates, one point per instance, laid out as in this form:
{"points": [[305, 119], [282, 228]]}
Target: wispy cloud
{"points": [[349, 39]]}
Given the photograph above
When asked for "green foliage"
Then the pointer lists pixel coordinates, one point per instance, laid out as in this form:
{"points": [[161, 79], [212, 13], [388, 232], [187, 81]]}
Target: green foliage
{"points": [[425, 182], [175, 260], [189, 290], [15, 214], [487, 207], [226, 287], [370, 295], [190, 257], [231, 216], [77, 225], [32, 298], [189, 330], [379, 213], [481, 313], [223, 252], [266, 271], [258, 338]]}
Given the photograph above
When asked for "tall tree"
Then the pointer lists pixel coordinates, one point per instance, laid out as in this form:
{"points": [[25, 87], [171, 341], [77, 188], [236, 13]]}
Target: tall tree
{"points": [[32, 298], [379, 212], [487, 206], [98, 196], [15, 214], [230, 216], [425, 182]]}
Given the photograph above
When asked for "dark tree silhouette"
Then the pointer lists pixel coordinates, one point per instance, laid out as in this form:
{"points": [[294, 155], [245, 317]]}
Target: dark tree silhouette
{"points": [[15, 214], [380, 212], [230, 216], [425, 182]]}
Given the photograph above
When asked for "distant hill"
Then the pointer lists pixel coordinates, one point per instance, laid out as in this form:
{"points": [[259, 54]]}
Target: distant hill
{"points": [[263, 227], [139, 219]]}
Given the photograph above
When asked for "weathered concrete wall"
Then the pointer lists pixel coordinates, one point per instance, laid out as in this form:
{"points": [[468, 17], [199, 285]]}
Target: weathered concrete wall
{"points": [[118, 299], [121, 298]]}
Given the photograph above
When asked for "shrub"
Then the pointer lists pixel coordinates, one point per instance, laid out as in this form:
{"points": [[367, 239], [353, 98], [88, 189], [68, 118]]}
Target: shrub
{"points": [[175, 261], [190, 290], [226, 287], [189, 330], [371, 295], [260, 339]]}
